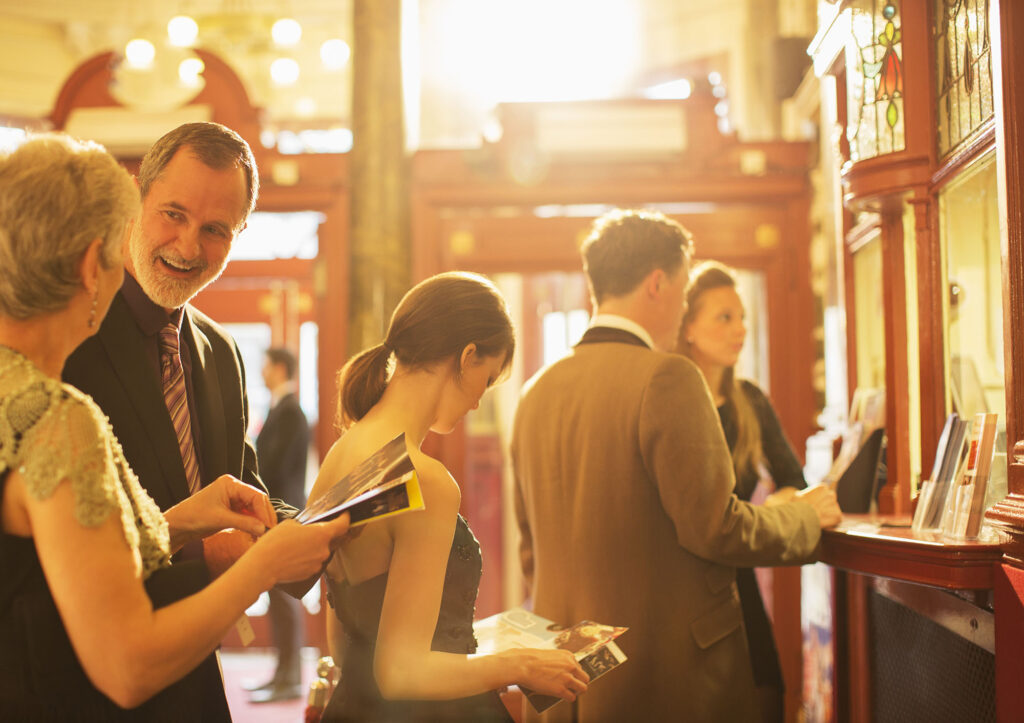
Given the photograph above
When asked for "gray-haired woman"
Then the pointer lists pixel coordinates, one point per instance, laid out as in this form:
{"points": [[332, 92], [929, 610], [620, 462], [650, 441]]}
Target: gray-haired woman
{"points": [[79, 637]]}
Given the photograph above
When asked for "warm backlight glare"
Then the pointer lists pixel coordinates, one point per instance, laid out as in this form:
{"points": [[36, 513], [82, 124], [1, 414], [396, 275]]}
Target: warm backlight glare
{"points": [[534, 50]]}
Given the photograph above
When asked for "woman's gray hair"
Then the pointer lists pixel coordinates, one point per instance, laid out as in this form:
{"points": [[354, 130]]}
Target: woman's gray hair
{"points": [[57, 195]]}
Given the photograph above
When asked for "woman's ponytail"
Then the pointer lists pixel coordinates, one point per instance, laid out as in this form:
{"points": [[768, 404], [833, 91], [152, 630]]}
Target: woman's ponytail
{"points": [[361, 384]]}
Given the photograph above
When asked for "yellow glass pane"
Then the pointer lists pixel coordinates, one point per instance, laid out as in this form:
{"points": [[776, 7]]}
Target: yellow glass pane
{"points": [[869, 315], [969, 233]]}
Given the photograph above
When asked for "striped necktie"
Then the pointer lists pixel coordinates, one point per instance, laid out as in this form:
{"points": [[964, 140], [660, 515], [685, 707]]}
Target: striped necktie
{"points": [[172, 376]]}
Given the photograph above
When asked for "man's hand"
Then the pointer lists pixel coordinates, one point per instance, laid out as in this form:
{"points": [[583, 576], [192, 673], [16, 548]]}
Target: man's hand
{"points": [[222, 549], [823, 499]]}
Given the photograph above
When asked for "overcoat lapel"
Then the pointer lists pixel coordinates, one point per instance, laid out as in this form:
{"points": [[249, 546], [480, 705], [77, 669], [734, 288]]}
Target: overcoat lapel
{"points": [[124, 345], [206, 386]]}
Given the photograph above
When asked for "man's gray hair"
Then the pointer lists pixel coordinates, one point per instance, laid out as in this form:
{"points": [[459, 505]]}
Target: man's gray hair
{"points": [[217, 146], [57, 196]]}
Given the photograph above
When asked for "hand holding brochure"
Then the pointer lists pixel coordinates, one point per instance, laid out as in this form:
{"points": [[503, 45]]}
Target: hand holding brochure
{"points": [[591, 643], [384, 484]]}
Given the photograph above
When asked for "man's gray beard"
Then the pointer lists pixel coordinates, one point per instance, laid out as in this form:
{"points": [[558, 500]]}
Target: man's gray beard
{"points": [[167, 292]]}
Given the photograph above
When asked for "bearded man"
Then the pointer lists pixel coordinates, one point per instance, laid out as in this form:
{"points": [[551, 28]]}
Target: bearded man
{"points": [[168, 377]]}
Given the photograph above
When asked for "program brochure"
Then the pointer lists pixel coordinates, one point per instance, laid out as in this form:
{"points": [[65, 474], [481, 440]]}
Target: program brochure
{"points": [[384, 484], [592, 643]]}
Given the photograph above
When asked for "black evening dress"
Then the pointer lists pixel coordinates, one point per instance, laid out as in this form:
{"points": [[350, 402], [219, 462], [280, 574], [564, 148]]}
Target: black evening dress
{"points": [[358, 607], [785, 471], [53, 434]]}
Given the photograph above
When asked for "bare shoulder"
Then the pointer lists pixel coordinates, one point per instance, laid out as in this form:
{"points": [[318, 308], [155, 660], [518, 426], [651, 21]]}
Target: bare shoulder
{"points": [[329, 470], [439, 487]]}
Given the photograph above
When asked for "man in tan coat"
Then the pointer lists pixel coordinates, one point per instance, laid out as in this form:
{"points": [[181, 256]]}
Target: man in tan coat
{"points": [[624, 494]]}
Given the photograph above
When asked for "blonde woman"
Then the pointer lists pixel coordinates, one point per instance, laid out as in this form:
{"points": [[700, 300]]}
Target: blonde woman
{"points": [[81, 543]]}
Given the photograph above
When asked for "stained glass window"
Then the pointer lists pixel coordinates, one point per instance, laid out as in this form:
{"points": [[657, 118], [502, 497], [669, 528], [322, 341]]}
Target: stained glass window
{"points": [[874, 73], [963, 58]]}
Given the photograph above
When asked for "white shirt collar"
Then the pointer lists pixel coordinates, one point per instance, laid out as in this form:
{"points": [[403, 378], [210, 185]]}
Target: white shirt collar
{"points": [[614, 321]]}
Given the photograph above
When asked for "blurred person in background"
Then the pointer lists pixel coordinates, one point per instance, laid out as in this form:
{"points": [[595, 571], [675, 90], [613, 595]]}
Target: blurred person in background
{"points": [[282, 447], [712, 335]]}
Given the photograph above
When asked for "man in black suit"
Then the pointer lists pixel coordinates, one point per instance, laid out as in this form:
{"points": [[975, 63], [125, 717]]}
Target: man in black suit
{"points": [[198, 184], [281, 448]]}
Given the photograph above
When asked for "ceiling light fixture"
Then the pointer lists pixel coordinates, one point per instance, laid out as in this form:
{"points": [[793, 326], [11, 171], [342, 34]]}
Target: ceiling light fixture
{"points": [[286, 32], [182, 31], [189, 71], [284, 71], [334, 53], [139, 53]]}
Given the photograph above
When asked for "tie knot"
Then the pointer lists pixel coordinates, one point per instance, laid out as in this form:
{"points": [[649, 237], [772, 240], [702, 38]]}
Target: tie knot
{"points": [[169, 339]]}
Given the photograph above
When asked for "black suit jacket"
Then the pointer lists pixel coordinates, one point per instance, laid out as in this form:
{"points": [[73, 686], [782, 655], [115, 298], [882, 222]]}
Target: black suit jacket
{"points": [[114, 369], [282, 447]]}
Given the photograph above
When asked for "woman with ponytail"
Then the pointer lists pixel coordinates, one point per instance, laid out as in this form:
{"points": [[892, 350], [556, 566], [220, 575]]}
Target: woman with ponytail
{"points": [[403, 591], [712, 335]]}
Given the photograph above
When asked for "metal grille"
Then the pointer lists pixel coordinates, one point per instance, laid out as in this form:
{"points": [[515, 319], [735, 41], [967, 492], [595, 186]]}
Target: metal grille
{"points": [[922, 672]]}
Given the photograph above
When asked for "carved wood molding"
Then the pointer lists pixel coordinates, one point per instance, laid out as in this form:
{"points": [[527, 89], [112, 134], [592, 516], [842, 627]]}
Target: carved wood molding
{"points": [[1008, 515]]}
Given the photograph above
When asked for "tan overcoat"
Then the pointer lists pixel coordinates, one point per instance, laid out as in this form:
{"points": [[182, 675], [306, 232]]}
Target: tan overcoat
{"points": [[624, 500]]}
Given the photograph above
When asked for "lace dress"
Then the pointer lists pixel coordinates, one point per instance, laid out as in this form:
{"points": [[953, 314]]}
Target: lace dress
{"points": [[51, 432], [358, 607]]}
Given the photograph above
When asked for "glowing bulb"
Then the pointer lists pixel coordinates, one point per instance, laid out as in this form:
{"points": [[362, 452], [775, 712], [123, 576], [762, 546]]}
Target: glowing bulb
{"points": [[182, 31], [305, 107], [189, 70], [139, 53], [334, 53], [286, 31], [284, 71]]}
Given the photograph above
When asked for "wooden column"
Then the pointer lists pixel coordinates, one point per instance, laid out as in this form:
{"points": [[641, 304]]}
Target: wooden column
{"points": [[1007, 18], [895, 496], [379, 203]]}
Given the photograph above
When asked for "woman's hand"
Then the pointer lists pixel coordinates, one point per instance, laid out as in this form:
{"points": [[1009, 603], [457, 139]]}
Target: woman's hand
{"points": [[223, 504], [781, 496], [294, 552], [550, 672]]}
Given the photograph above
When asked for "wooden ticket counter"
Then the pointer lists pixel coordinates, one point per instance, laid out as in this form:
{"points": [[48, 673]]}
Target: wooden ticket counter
{"points": [[920, 623]]}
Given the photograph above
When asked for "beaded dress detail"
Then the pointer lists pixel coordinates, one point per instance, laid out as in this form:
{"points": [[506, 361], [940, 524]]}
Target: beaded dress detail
{"points": [[51, 433]]}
